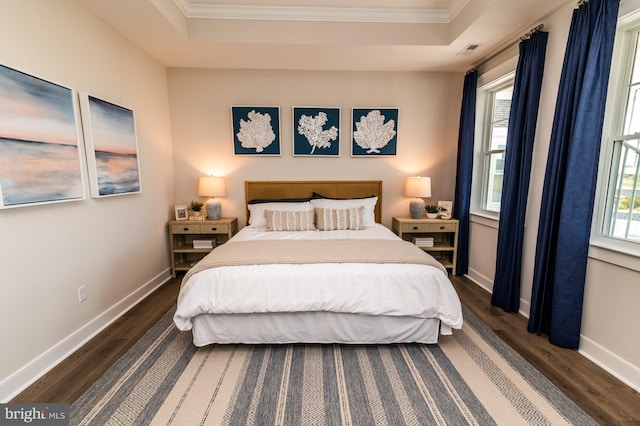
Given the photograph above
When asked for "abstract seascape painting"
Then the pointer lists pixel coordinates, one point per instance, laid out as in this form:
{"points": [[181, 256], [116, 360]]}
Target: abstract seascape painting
{"points": [[39, 150], [112, 147]]}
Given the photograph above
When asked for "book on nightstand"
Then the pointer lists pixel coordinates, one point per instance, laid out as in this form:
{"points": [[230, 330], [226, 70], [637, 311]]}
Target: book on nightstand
{"points": [[423, 241], [203, 244]]}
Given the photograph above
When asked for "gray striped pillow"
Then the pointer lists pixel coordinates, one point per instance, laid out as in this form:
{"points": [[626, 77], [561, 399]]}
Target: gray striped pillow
{"points": [[278, 220], [340, 219]]}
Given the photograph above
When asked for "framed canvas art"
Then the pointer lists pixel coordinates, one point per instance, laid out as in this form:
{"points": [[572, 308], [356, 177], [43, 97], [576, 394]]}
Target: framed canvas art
{"points": [[256, 130], [40, 156], [374, 132], [316, 131], [111, 147]]}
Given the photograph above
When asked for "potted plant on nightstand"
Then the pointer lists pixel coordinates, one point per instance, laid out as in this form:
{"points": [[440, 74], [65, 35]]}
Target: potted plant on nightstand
{"points": [[195, 207], [432, 211]]}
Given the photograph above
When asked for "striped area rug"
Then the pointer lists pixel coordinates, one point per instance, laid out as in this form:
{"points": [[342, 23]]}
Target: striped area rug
{"points": [[470, 378]]}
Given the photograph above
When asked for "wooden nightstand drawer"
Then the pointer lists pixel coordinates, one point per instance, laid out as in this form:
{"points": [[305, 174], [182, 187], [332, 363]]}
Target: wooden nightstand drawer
{"points": [[428, 227], [438, 237], [184, 236], [218, 228], [186, 228]]}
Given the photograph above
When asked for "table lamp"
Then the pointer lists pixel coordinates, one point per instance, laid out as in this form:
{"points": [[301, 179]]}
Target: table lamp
{"points": [[212, 186], [417, 187]]}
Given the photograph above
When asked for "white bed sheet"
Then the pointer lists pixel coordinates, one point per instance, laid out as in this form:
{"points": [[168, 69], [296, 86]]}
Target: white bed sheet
{"points": [[385, 290], [328, 327]]}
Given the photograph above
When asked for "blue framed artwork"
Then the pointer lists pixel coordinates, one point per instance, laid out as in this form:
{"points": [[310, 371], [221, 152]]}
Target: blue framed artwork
{"points": [[40, 157], [374, 132], [316, 131], [111, 147], [256, 130]]}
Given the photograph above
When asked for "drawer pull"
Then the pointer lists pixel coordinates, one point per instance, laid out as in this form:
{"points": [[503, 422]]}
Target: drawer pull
{"points": [[442, 227], [415, 228], [214, 229], [185, 229]]}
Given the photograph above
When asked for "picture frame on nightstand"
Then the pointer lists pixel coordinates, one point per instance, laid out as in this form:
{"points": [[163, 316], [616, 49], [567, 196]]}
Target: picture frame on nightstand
{"points": [[446, 209], [181, 212]]}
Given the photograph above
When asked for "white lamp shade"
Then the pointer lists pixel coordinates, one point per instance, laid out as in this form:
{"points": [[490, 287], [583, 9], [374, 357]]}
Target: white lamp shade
{"points": [[212, 186], [418, 187]]}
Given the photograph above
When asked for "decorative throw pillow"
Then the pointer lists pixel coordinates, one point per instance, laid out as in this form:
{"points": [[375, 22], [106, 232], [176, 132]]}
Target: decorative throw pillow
{"points": [[369, 205], [339, 219], [257, 218], [278, 220]]}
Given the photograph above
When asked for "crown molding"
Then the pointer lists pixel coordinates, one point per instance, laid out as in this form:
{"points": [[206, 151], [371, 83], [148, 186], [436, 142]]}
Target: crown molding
{"points": [[456, 7], [319, 14]]}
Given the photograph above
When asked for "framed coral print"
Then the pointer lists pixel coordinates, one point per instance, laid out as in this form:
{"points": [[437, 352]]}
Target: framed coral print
{"points": [[316, 132], [374, 132], [40, 156], [256, 130], [111, 147]]}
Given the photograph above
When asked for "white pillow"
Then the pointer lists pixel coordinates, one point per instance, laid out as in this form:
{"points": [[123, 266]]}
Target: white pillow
{"points": [[369, 205], [257, 219]]}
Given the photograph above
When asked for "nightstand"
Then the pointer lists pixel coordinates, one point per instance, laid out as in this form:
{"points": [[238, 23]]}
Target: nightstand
{"points": [[190, 241], [438, 237]]}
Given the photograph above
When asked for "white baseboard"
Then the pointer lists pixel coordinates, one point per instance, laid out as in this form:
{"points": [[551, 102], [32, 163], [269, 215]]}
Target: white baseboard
{"points": [[21, 379], [482, 281], [487, 284], [32, 371], [525, 308], [613, 364]]}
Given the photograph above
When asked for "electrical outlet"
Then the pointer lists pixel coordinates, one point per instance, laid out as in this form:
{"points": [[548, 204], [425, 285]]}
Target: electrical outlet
{"points": [[82, 293]]}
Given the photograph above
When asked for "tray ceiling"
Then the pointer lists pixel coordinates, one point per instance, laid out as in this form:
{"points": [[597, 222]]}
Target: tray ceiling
{"points": [[350, 35]]}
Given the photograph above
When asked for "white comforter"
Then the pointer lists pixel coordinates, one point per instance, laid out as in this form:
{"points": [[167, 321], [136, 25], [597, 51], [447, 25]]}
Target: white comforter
{"points": [[369, 289]]}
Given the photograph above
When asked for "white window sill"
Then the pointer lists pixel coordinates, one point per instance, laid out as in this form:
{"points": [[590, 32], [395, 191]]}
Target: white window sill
{"points": [[621, 253], [485, 218], [616, 252]]}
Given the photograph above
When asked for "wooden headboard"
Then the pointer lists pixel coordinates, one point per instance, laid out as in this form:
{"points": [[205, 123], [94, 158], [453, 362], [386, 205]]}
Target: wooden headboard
{"points": [[269, 190]]}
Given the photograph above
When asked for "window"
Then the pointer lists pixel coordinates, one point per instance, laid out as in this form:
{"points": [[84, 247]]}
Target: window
{"points": [[622, 214], [620, 185], [495, 121]]}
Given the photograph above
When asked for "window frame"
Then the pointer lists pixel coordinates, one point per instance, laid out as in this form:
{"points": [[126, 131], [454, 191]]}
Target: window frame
{"points": [[484, 117], [604, 247]]}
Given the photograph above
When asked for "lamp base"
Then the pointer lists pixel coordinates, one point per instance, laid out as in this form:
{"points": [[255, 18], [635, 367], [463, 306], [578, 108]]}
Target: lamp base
{"points": [[416, 208], [213, 209]]}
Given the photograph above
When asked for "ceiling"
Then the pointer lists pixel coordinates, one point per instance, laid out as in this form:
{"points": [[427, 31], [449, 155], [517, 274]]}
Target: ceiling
{"points": [[352, 35]]}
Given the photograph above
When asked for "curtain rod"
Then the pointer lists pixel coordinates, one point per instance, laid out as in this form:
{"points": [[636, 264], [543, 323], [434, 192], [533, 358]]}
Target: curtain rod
{"points": [[581, 2], [532, 32], [508, 46]]}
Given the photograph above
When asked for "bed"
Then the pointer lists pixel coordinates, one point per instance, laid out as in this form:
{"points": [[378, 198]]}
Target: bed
{"points": [[314, 265]]}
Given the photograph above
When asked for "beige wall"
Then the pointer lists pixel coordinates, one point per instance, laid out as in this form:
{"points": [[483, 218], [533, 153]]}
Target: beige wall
{"points": [[115, 246], [611, 318], [427, 129]]}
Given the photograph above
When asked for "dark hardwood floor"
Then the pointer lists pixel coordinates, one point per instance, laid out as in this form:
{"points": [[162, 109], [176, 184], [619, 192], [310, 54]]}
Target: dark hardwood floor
{"points": [[604, 397], [69, 379]]}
